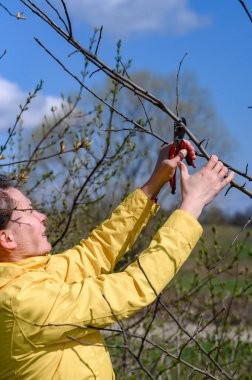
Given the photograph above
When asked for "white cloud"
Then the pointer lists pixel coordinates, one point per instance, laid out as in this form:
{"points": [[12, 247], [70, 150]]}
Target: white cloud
{"points": [[124, 17], [11, 95]]}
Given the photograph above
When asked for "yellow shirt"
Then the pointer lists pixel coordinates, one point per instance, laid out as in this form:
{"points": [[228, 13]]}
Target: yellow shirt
{"points": [[78, 288]]}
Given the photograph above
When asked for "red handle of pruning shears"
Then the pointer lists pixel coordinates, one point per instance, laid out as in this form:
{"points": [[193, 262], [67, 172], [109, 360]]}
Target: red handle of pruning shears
{"points": [[177, 145]]}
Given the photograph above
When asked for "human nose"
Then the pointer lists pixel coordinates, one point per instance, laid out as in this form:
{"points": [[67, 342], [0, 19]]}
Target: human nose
{"points": [[42, 217]]}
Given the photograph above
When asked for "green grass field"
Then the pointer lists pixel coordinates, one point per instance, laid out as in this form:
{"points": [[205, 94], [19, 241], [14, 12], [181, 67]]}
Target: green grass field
{"points": [[225, 236]]}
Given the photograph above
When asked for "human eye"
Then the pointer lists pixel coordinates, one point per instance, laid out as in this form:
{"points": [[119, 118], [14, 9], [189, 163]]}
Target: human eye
{"points": [[30, 209], [27, 211]]}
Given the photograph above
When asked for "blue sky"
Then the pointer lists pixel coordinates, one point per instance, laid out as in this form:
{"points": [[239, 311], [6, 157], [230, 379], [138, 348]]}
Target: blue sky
{"points": [[216, 35]]}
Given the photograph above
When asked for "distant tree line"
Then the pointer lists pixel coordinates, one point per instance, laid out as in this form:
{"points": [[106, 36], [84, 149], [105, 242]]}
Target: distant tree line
{"points": [[216, 215]]}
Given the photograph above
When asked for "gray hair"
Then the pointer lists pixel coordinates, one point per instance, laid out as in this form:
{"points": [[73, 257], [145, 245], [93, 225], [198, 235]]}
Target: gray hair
{"points": [[6, 202]]}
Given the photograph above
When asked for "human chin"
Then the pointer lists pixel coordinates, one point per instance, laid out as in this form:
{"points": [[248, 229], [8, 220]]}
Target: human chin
{"points": [[48, 246], [44, 237], [45, 246]]}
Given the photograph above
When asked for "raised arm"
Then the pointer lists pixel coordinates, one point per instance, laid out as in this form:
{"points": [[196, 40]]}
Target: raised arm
{"points": [[107, 243], [98, 301]]}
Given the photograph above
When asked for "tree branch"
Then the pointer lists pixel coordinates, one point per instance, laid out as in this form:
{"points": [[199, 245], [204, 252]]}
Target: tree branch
{"points": [[187, 131], [246, 9], [3, 54]]}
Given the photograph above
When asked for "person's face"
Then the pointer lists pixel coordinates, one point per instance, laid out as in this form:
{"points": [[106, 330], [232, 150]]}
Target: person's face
{"points": [[27, 228]]}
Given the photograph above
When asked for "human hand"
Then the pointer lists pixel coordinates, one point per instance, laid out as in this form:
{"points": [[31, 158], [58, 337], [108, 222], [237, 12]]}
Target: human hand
{"points": [[165, 168], [202, 187]]}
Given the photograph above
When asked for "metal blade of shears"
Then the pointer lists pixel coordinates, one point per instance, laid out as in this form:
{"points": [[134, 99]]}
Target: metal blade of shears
{"points": [[179, 131]]}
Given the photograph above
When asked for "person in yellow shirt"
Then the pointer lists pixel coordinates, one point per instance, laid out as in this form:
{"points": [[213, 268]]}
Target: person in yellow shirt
{"points": [[51, 306]]}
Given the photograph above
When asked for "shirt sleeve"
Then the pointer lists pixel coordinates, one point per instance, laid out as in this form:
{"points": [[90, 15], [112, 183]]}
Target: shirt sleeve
{"points": [[99, 301], [106, 244]]}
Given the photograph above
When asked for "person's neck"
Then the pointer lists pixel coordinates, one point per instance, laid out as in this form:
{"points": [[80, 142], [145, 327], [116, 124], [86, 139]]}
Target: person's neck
{"points": [[12, 257]]}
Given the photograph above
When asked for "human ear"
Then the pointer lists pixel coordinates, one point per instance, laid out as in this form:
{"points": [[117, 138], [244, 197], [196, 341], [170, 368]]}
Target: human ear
{"points": [[7, 240]]}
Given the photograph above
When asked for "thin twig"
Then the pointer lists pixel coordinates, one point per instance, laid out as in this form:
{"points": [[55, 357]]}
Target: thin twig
{"points": [[200, 330], [149, 327], [99, 40], [247, 288], [240, 232], [58, 14], [29, 160], [68, 19], [126, 341], [246, 9], [7, 10], [3, 54], [177, 84]]}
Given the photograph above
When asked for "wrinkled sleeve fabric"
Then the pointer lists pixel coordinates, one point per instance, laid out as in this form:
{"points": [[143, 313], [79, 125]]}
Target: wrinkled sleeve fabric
{"points": [[99, 301], [107, 243]]}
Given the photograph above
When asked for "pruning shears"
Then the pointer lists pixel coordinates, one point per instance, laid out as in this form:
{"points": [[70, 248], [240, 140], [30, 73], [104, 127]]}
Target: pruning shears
{"points": [[178, 144]]}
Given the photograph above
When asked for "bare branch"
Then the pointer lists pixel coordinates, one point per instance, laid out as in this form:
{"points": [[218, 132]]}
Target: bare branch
{"points": [[99, 40], [18, 16], [139, 98], [29, 160], [68, 19], [3, 54], [58, 14], [246, 9], [243, 229], [149, 327], [7, 10], [247, 288]]}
